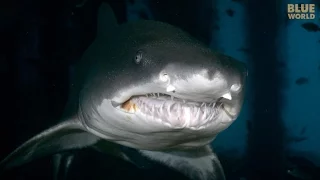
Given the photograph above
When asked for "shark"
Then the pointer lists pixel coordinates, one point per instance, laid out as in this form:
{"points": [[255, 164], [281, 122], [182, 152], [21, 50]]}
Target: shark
{"points": [[149, 86]]}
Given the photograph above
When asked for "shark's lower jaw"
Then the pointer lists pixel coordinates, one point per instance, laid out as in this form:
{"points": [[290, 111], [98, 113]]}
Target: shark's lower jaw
{"points": [[173, 112]]}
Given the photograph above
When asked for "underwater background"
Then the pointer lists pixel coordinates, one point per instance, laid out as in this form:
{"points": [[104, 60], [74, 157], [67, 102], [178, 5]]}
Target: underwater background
{"points": [[277, 135]]}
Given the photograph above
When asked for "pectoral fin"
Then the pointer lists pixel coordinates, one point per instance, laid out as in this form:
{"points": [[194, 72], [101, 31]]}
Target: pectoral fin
{"points": [[64, 136]]}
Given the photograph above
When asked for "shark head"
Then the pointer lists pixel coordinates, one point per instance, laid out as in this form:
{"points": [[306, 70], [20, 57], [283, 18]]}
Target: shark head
{"points": [[149, 86], [160, 88]]}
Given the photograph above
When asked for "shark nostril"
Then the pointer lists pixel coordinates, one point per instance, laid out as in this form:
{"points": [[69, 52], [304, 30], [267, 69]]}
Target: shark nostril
{"points": [[235, 87], [164, 77]]}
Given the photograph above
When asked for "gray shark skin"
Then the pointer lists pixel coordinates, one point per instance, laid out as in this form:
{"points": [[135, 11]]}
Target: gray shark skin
{"points": [[150, 86]]}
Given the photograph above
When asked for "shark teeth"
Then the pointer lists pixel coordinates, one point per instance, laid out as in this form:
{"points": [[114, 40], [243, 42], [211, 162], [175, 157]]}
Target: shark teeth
{"points": [[171, 111], [155, 95], [162, 96], [129, 106], [177, 114]]}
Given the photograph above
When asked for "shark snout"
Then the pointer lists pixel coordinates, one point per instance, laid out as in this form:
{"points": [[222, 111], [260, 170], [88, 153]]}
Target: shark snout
{"points": [[224, 83], [236, 90]]}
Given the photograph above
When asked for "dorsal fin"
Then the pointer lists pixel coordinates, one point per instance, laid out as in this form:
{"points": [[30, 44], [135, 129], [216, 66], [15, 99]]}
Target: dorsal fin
{"points": [[107, 21]]}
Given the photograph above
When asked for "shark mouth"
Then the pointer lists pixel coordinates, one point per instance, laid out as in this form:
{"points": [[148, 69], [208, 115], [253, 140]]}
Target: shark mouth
{"points": [[172, 111]]}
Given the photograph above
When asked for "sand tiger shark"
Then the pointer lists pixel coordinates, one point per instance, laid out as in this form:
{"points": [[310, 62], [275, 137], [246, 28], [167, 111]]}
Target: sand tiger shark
{"points": [[150, 86]]}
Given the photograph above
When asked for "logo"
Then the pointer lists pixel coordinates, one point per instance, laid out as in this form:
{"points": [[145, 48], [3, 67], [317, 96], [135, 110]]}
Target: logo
{"points": [[301, 11]]}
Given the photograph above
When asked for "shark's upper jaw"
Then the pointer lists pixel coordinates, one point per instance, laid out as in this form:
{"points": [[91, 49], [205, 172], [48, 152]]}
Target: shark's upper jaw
{"points": [[174, 112], [190, 99]]}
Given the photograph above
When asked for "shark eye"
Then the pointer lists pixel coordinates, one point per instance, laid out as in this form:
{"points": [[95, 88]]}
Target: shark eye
{"points": [[138, 57]]}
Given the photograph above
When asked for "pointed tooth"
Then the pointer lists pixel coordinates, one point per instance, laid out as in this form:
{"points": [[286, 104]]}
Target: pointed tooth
{"points": [[157, 111], [168, 110], [187, 123], [205, 106], [153, 112], [162, 104], [161, 108], [198, 114], [213, 114], [150, 110], [207, 118], [204, 113], [179, 111]]}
